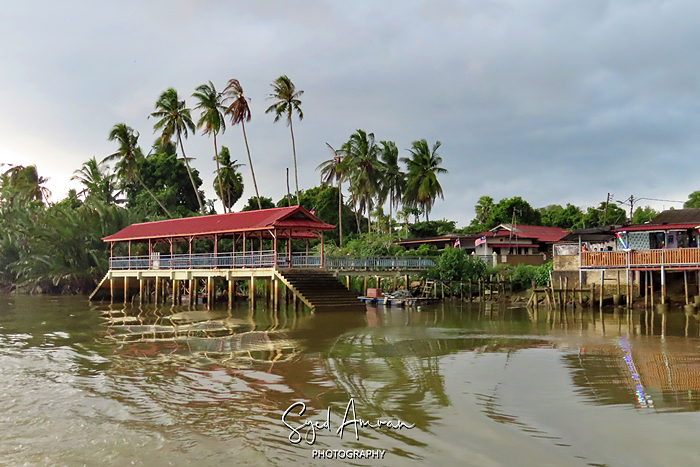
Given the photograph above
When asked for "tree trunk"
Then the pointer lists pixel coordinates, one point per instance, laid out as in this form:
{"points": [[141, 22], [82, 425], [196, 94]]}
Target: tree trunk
{"points": [[391, 211], [218, 174], [289, 195], [294, 150], [153, 196], [357, 218], [340, 214], [369, 215], [189, 172], [250, 161]]}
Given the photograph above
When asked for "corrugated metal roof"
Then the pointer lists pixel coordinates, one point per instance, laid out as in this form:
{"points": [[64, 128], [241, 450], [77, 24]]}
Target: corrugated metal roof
{"points": [[678, 216], [288, 217], [656, 227], [537, 232]]}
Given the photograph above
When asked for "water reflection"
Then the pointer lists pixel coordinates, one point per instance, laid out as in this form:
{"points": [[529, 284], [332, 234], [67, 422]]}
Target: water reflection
{"points": [[479, 382]]}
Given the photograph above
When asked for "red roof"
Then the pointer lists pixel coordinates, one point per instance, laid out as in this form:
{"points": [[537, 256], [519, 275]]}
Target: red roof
{"points": [[294, 217], [535, 232], [656, 227]]}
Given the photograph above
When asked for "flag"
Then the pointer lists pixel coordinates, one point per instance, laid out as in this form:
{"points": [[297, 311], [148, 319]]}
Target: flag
{"points": [[457, 244], [624, 245], [479, 241]]}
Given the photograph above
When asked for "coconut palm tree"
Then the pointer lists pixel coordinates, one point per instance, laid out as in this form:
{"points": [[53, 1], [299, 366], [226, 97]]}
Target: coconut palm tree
{"points": [[23, 184], [212, 119], [229, 180], [128, 158], [422, 186], [98, 183], [175, 120], [330, 170], [287, 104], [239, 111], [361, 160], [394, 180]]}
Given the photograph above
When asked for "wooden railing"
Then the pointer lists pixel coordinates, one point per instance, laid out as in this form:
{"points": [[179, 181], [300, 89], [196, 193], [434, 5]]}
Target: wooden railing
{"points": [[266, 259], [640, 258]]}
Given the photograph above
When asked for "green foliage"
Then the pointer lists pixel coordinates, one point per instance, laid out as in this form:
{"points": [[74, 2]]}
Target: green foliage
{"points": [[424, 250], [21, 184], [167, 178], [693, 201], [604, 214], [523, 274], [323, 200], [554, 215], [431, 228], [454, 264], [503, 213], [422, 185], [252, 204], [372, 244], [542, 273], [58, 248], [483, 209], [231, 179], [473, 228], [642, 215]]}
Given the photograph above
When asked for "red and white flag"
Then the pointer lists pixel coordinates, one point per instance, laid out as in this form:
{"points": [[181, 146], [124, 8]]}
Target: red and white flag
{"points": [[457, 243]]}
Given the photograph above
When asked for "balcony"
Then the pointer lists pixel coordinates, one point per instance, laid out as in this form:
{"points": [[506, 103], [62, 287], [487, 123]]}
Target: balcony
{"points": [[652, 259]]}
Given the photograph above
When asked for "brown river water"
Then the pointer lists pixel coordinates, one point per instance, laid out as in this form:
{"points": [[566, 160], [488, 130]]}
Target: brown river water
{"points": [[482, 385]]}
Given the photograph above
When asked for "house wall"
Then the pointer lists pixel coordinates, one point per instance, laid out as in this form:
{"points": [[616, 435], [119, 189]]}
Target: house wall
{"points": [[533, 260], [567, 266]]}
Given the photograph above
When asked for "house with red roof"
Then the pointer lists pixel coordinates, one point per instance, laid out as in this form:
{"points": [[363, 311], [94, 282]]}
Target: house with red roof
{"points": [[519, 240]]}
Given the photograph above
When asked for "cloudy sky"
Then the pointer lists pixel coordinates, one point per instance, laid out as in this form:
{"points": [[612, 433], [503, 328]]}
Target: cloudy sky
{"points": [[555, 101]]}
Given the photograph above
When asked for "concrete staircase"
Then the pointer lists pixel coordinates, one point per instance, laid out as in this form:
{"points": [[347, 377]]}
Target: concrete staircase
{"points": [[319, 289]]}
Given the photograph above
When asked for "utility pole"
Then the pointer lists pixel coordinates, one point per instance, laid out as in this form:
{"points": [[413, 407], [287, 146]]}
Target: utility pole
{"points": [[630, 200], [605, 213]]}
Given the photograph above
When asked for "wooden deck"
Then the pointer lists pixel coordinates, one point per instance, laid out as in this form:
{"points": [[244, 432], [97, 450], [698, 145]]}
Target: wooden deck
{"points": [[681, 258]]}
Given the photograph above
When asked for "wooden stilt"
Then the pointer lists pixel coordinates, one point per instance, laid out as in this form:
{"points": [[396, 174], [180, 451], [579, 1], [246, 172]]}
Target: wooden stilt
{"points": [[140, 291], [209, 293], [111, 290], [651, 288], [646, 289], [663, 285], [685, 282], [251, 291], [126, 289], [230, 293], [157, 296], [364, 286], [347, 282], [580, 294], [276, 296], [602, 288]]}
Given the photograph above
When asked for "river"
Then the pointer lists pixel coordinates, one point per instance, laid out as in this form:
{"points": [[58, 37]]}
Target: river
{"points": [[482, 385]]}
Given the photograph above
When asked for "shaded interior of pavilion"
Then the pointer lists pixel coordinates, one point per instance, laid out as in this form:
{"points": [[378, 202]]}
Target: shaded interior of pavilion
{"points": [[285, 238]]}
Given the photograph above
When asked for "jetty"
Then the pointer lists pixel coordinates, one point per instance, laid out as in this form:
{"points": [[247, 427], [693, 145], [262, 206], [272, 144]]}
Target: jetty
{"points": [[263, 253]]}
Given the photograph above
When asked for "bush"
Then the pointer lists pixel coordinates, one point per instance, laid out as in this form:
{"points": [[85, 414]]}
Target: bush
{"points": [[523, 274], [453, 264], [542, 273]]}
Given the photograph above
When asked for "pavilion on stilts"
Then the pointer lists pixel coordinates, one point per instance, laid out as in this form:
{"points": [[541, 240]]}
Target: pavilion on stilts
{"points": [[260, 247]]}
